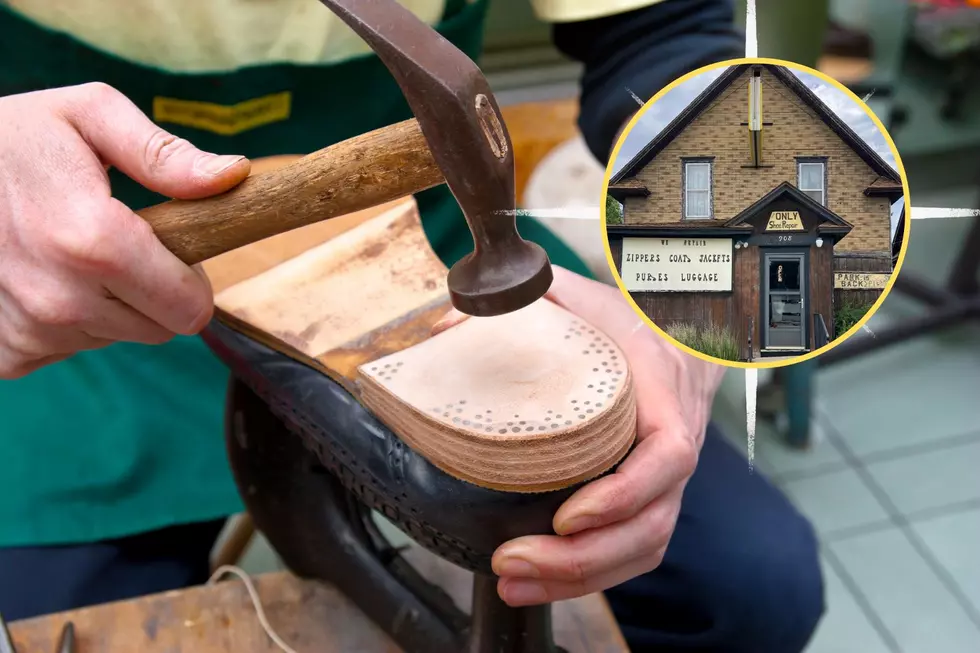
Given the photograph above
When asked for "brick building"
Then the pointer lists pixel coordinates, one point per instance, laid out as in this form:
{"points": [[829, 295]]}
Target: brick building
{"points": [[756, 209]]}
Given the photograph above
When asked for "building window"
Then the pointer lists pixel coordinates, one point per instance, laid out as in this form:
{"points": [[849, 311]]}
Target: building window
{"points": [[812, 179], [697, 190]]}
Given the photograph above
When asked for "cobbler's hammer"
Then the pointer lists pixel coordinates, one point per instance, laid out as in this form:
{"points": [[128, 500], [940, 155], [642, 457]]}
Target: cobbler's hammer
{"points": [[458, 137]]}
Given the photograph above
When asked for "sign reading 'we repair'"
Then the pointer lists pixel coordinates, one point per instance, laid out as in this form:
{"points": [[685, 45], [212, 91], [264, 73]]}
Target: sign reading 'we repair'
{"points": [[677, 264]]}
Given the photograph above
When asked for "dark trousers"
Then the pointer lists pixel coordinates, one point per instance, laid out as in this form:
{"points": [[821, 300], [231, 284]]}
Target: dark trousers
{"points": [[741, 572], [45, 579]]}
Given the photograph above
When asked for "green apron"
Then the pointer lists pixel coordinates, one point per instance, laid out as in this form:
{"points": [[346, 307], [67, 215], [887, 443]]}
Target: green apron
{"points": [[129, 439]]}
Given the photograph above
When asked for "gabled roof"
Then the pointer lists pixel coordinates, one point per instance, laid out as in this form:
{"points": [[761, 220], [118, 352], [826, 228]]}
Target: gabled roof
{"points": [[882, 187], [787, 189], [701, 102], [881, 182], [627, 188]]}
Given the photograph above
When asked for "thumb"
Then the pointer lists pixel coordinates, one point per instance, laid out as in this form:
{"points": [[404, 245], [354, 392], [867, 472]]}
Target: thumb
{"points": [[602, 306], [123, 136], [447, 321]]}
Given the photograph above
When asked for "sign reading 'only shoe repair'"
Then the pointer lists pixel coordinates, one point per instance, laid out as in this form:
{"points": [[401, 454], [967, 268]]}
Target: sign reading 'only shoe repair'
{"points": [[677, 264]]}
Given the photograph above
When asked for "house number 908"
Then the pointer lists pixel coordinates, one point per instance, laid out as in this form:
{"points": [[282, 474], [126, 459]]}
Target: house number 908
{"points": [[785, 239]]}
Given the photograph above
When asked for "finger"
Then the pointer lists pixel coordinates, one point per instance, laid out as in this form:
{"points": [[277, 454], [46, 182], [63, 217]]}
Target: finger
{"points": [[201, 272], [112, 320], [59, 315], [517, 592], [656, 465], [124, 137], [49, 342], [13, 366], [23, 351], [39, 342], [25, 336], [594, 553], [138, 270], [25, 347], [605, 308], [449, 320], [598, 304]]}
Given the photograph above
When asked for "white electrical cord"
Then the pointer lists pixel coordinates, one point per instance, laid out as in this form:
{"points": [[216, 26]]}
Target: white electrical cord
{"points": [[254, 595]]}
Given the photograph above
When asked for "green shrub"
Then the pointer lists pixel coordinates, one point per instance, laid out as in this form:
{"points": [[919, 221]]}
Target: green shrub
{"points": [[847, 315], [712, 340], [614, 210]]}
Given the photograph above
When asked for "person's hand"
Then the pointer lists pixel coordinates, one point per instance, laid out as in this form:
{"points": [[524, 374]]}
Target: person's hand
{"points": [[618, 526], [78, 269]]}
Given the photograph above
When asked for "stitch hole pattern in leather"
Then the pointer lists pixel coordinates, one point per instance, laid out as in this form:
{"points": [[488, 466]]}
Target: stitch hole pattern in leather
{"points": [[608, 373]]}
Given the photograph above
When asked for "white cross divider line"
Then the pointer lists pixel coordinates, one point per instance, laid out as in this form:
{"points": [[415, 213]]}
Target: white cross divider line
{"points": [[593, 213], [636, 98], [751, 374], [751, 34], [751, 392], [570, 212], [931, 213]]}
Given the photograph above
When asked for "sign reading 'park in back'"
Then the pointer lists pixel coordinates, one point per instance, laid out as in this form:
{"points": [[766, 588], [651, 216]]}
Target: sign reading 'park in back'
{"points": [[784, 221], [861, 280], [677, 264]]}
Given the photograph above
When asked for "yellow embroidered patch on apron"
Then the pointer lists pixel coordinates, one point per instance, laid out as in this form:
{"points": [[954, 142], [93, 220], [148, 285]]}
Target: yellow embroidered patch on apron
{"points": [[226, 120]]}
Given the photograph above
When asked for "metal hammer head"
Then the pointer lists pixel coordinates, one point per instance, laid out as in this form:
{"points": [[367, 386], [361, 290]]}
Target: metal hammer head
{"points": [[461, 122]]}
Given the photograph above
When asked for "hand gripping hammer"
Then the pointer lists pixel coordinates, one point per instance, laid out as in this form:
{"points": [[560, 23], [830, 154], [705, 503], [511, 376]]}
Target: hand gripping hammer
{"points": [[458, 137]]}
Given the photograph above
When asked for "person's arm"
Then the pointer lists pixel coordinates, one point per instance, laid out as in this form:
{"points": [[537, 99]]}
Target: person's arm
{"points": [[78, 269], [641, 50]]}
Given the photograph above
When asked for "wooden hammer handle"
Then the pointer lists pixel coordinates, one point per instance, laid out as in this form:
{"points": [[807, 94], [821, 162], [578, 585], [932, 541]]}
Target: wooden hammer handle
{"points": [[359, 173]]}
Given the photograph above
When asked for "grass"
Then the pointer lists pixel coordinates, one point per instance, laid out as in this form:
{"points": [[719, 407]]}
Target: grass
{"points": [[712, 340], [847, 315]]}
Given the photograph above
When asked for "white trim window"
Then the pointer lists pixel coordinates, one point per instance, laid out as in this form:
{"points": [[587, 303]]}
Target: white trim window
{"points": [[697, 190], [811, 179]]}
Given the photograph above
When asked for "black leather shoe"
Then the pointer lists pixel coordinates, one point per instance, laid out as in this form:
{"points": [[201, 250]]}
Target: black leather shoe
{"points": [[459, 521], [302, 448]]}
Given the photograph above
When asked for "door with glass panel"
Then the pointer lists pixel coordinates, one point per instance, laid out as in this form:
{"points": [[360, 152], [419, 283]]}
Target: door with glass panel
{"points": [[784, 301]]}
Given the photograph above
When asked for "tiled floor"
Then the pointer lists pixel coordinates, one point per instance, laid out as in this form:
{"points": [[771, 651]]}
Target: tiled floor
{"points": [[892, 483], [894, 495]]}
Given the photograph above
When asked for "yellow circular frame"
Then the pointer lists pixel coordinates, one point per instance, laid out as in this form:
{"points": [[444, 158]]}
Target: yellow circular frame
{"points": [[888, 286]]}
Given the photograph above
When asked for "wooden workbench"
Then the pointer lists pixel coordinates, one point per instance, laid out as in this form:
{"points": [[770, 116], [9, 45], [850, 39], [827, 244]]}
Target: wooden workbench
{"points": [[311, 617]]}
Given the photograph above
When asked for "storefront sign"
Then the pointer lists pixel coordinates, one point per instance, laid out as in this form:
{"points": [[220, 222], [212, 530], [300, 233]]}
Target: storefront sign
{"points": [[861, 280], [677, 264], [785, 221]]}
